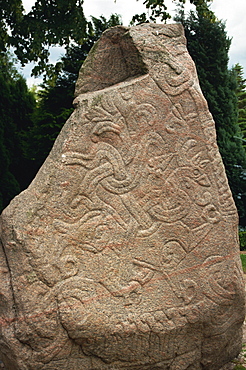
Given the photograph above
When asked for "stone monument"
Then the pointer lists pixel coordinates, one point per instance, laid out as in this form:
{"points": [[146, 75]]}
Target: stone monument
{"points": [[123, 252]]}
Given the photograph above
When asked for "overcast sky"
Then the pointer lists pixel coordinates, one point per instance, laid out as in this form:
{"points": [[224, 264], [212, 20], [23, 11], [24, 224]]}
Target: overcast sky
{"points": [[232, 12]]}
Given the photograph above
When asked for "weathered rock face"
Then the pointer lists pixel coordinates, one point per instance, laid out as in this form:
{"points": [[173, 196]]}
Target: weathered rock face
{"points": [[123, 252]]}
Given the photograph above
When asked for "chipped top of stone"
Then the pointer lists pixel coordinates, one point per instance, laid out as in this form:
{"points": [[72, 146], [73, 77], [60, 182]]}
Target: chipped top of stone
{"points": [[123, 53]]}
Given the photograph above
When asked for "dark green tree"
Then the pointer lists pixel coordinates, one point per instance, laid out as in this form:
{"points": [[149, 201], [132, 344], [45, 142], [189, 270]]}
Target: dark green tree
{"points": [[157, 9], [16, 107], [208, 45], [241, 97], [48, 23]]}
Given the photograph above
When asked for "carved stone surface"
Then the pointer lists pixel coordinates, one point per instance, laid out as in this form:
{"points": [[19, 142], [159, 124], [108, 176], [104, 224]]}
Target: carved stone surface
{"points": [[123, 252]]}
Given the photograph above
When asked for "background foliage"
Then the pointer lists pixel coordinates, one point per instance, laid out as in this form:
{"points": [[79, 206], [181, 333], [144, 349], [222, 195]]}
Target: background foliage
{"points": [[241, 97], [17, 105]]}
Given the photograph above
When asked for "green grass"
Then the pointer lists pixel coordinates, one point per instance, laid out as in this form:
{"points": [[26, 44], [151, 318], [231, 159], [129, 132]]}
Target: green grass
{"points": [[243, 259]]}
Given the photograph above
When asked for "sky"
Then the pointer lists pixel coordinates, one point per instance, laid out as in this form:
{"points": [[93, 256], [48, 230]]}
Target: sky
{"points": [[232, 12]]}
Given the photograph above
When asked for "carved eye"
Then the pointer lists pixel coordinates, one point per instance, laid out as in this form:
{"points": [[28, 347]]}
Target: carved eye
{"points": [[196, 172], [211, 214]]}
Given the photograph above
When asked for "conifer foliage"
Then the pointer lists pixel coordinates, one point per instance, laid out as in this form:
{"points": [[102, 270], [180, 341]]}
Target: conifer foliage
{"points": [[241, 96]]}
